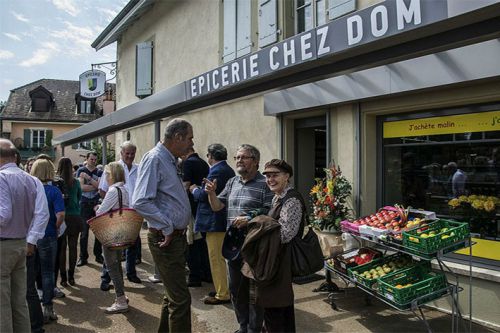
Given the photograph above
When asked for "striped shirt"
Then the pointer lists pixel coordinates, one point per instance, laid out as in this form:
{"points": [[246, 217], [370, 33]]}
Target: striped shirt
{"points": [[240, 198]]}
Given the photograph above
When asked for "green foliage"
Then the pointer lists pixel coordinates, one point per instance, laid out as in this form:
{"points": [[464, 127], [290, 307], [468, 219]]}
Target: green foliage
{"points": [[110, 151]]}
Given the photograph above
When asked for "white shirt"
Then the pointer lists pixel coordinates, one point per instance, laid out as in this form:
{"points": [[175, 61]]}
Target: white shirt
{"points": [[130, 179], [41, 215], [110, 201]]}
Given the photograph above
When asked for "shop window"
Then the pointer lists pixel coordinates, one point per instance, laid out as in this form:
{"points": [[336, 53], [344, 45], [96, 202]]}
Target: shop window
{"points": [[237, 29], [144, 69], [447, 164], [337, 8]]}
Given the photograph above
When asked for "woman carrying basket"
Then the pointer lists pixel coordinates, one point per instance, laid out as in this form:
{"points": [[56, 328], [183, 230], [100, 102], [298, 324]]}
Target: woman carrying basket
{"points": [[115, 176]]}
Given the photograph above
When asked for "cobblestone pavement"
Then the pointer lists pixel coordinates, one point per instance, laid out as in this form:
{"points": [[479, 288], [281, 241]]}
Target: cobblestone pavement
{"points": [[82, 310]]}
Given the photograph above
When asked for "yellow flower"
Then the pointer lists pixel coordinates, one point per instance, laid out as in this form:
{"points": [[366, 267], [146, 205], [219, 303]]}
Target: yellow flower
{"points": [[454, 202], [489, 205], [471, 198], [315, 189], [482, 197], [477, 204], [329, 185], [462, 198]]}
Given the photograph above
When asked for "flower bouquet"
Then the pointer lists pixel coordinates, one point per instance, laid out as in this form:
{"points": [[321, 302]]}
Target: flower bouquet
{"points": [[329, 198], [479, 210]]}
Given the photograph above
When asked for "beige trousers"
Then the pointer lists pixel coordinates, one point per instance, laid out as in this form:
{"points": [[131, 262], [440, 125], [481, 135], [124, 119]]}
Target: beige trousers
{"points": [[218, 264]]}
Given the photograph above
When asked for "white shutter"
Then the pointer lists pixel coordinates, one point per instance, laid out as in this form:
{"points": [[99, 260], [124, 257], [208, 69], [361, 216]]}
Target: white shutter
{"points": [[144, 69], [337, 8], [243, 30], [268, 22], [229, 52]]}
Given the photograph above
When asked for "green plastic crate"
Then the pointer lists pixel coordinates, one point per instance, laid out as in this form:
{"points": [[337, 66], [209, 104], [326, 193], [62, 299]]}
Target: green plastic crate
{"points": [[416, 282], [456, 231], [356, 272]]}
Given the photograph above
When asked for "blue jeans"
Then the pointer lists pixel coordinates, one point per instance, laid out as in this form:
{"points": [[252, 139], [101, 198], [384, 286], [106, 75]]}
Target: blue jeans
{"points": [[249, 316], [46, 253]]}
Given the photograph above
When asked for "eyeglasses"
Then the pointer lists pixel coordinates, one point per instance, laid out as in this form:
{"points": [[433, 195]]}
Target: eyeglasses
{"points": [[242, 157], [270, 175]]}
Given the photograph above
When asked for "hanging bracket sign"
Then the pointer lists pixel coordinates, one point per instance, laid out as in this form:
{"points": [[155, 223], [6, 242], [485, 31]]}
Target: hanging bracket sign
{"points": [[92, 83]]}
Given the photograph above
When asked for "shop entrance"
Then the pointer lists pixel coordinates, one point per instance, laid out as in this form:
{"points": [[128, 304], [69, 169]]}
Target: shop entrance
{"points": [[310, 152]]}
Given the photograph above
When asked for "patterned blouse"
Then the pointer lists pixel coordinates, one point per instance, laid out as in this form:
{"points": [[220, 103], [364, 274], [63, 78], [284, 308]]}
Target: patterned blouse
{"points": [[290, 216]]}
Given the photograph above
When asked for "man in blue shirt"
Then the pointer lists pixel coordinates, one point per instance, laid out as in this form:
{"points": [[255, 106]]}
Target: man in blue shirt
{"points": [[160, 197]]}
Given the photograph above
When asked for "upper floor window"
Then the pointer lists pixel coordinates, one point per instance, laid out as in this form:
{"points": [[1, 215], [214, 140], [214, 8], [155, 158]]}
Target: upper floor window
{"points": [[84, 105], [313, 13], [237, 29], [41, 99]]}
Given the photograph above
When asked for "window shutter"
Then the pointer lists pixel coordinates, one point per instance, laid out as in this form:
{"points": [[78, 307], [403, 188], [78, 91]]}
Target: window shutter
{"points": [[337, 8], [27, 138], [48, 138], [268, 22], [144, 69], [229, 52], [243, 30]]}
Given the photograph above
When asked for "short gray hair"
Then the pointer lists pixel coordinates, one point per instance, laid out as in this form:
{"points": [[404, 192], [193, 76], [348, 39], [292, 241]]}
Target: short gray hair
{"points": [[254, 152], [217, 151], [126, 144], [7, 148], [177, 126]]}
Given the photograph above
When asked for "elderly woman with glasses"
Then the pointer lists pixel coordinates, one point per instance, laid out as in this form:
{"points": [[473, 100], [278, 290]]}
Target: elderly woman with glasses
{"points": [[271, 235]]}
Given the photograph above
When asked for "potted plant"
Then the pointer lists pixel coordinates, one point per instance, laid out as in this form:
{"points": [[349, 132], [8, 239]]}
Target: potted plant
{"points": [[330, 200]]}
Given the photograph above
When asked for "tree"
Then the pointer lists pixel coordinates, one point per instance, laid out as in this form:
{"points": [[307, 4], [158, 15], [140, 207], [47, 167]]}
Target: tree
{"points": [[2, 105], [110, 151]]}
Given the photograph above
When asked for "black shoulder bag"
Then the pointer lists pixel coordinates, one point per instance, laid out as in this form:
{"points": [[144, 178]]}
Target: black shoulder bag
{"points": [[307, 256]]}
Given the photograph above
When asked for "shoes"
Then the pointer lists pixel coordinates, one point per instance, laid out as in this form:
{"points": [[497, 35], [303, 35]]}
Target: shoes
{"points": [[194, 284], [119, 306], [99, 260], [134, 278], [71, 281], [81, 262], [48, 314], [105, 286], [154, 279], [214, 301], [212, 294], [64, 284], [58, 293]]}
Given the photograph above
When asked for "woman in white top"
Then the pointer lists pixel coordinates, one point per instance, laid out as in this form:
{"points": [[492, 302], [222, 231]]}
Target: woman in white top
{"points": [[115, 176]]}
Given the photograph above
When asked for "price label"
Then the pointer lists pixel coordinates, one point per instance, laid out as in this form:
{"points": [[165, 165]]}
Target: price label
{"points": [[389, 297]]}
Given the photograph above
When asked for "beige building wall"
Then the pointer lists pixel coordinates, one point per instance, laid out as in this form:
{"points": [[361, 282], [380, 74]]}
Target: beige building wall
{"points": [[57, 130]]}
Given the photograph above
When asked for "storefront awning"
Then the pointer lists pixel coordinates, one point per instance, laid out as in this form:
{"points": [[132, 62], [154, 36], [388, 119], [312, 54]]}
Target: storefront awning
{"points": [[450, 24]]}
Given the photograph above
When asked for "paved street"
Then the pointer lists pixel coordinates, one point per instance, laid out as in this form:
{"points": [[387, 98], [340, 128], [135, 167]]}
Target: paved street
{"points": [[82, 309]]}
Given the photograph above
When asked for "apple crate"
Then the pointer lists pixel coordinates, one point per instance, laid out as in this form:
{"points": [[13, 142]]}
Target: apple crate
{"points": [[349, 227], [403, 287], [371, 233], [400, 259], [342, 261], [436, 236]]}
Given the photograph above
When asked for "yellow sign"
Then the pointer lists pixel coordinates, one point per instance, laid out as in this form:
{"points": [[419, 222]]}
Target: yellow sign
{"points": [[464, 123]]}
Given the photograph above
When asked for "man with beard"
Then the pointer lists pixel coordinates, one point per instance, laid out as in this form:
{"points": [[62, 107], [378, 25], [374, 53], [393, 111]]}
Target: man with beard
{"points": [[242, 195]]}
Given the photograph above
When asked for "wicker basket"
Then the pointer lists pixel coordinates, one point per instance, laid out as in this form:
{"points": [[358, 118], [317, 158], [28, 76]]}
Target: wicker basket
{"points": [[117, 229]]}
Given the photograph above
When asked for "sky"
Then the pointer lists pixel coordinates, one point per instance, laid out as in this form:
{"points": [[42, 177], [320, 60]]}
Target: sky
{"points": [[50, 39]]}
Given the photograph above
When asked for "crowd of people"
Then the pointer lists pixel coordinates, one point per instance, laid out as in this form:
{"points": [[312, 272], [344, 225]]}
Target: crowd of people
{"points": [[199, 214]]}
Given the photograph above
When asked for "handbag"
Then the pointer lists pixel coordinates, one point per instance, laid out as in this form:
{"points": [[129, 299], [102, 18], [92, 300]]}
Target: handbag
{"points": [[307, 256]]}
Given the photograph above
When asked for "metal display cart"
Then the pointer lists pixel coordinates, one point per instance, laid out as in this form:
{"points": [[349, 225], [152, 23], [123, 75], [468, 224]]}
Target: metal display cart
{"points": [[415, 305]]}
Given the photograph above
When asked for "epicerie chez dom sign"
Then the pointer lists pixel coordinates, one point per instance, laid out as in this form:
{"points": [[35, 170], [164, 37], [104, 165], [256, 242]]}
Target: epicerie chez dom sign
{"points": [[92, 83], [373, 23]]}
